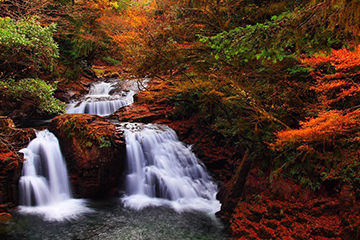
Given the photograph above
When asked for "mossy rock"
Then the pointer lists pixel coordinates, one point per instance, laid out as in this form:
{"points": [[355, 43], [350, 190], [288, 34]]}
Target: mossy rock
{"points": [[94, 150]]}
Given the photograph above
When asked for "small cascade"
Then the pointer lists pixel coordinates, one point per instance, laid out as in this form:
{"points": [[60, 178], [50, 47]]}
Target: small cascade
{"points": [[44, 184], [103, 98], [163, 171]]}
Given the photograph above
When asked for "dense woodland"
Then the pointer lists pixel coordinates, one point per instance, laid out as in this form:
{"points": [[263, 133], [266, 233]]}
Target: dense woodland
{"points": [[278, 79]]}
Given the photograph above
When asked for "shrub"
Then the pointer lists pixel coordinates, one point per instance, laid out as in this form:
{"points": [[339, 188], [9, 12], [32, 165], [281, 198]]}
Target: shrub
{"points": [[36, 90], [26, 47]]}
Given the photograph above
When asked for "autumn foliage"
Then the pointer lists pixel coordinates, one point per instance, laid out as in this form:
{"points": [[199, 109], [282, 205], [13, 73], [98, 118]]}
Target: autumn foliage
{"points": [[272, 218], [330, 135], [279, 80], [324, 129]]}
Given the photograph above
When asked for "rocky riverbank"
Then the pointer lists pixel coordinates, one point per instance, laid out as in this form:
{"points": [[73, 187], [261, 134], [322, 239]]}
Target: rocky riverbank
{"points": [[12, 139]]}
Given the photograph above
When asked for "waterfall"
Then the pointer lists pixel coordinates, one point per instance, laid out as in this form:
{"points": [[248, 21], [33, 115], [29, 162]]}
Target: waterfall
{"points": [[103, 98], [161, 170], [44, 185]]}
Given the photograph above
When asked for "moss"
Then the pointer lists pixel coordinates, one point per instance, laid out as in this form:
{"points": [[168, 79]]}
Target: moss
{"points": [[88, 136]]}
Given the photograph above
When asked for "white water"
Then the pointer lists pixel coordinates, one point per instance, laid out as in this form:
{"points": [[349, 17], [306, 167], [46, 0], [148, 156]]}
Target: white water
{"points": [[44, 184], [163, 171], [102, 101]]}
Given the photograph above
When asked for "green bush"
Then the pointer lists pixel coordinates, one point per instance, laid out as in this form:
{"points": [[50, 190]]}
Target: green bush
{"points": [[36, 90], [26, 47]]}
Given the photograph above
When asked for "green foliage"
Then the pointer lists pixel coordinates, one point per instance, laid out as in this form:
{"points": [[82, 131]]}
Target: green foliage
{"points": [[26, 47], [273, 40], [248, 43], [37, 91], [111, 61], [297, 69]]}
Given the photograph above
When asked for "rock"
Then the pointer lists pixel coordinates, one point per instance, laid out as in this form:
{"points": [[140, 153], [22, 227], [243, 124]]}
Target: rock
{"points": [[94, 150], [140, 113], [11, 141], [10, 170], [5, 217], [19, 110], [67, 91]]}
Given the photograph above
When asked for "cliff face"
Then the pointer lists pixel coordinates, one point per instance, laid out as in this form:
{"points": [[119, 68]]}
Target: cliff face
{"points": [[11, 141], [94, 150]]}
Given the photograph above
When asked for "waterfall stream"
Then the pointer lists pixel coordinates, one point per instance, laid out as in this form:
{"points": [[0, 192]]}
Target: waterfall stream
{"points": [[44, 185], [105, 98], [161, 170], [162, 175]]}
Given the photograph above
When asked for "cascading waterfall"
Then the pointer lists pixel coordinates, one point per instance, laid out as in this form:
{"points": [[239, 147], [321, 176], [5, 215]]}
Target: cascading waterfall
{"points": [[44, 184], [163, 171], [103, 99]]}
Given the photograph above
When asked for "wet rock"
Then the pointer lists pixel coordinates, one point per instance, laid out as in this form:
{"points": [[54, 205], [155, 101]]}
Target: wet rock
{"points": [[20, 111], [5, 217], [140, 113], [94, 150], [11, 141], [10, 170], [67, 91]]}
